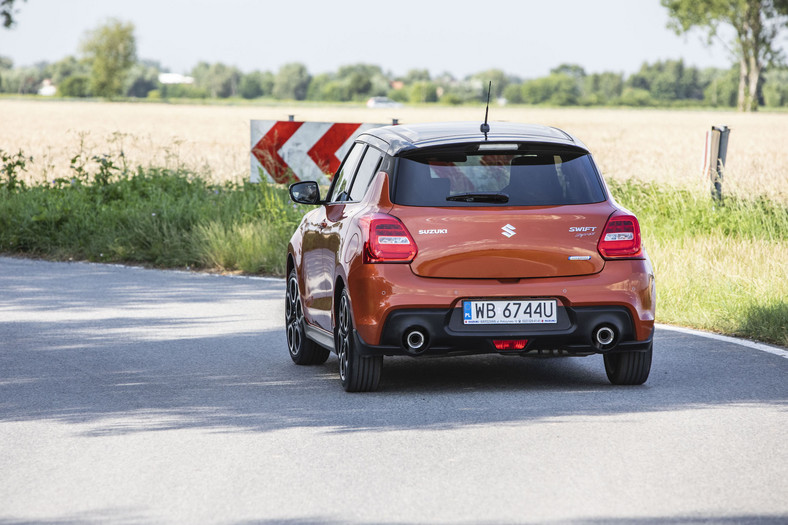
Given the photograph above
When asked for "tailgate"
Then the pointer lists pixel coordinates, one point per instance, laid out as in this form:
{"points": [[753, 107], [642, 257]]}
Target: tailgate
{"points": [[506, 242]]}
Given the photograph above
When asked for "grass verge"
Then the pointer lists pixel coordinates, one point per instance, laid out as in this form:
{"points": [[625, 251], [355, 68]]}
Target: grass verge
{"points": [[159, 217], [718, 268]]}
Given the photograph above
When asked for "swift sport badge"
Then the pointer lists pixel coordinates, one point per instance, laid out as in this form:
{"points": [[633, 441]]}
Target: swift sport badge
{"points": [[582, 231]]}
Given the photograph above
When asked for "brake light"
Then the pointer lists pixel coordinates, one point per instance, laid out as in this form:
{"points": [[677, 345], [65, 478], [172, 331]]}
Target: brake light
{"points": [[510, 344], [621, 237], [388, 240]]}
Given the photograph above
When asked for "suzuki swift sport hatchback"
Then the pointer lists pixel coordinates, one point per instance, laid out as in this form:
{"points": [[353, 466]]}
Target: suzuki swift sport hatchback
{"points": [[440, 239]]}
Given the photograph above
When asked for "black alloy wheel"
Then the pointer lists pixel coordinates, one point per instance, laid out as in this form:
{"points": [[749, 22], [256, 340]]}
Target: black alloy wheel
{"points": [[358, 374], [303, 351]]}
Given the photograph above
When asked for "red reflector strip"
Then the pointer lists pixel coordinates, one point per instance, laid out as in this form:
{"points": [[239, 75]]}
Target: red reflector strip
{"points": [[510, 344]]}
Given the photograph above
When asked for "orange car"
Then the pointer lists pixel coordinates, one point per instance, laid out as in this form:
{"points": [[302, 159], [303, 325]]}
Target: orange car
{"points": [[440, 239]]}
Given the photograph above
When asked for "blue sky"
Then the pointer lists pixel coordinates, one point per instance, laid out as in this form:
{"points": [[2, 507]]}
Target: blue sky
{"points": [[525, 38]]}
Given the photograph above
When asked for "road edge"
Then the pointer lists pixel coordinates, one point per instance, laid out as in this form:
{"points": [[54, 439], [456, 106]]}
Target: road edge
{"points": [[763, 347]]}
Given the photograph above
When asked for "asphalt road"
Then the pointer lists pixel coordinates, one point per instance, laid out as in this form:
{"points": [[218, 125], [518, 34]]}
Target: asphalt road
{"points": [[140, 396]]}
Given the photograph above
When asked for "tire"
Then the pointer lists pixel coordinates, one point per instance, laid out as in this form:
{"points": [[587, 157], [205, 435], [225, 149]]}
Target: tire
{"points": [[303, 351], [628, 368], [357, 374]]}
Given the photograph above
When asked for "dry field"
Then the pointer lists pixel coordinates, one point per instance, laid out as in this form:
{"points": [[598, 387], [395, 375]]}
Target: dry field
{"points": [[652, 145]]}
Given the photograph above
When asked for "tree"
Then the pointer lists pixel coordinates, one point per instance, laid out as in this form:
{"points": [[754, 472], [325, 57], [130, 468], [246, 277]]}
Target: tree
{"points": [[23, 80], [292, 81], [218, 79], [256, 84], [558, 89], [5, 65], [112, 50], [668, 81], [416, 75], [326, 88], [74, 86], [513, 93], [498, 78], [721, 86], [7, 12], [68, 67], [602, 88], [572, 70], [143, 77], [423, 91], [757, 24], [775, 88]]}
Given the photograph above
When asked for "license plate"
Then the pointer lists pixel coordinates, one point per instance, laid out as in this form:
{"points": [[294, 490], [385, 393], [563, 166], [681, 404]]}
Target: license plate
{"points": [[516, 311]]}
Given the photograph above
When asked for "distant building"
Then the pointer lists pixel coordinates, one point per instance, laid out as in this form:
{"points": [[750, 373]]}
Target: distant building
{"points": [[47, 89], [175, 78]]}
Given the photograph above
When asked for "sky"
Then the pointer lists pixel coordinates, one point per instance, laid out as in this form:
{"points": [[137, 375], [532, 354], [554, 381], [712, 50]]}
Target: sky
{"points": [[525, 38]]}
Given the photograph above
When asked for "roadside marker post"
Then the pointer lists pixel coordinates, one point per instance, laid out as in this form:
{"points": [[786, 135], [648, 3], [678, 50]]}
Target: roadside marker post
{"points": [[714, 159]]}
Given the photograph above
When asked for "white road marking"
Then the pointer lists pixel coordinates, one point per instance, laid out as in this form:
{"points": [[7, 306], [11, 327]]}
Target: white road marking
{"points": [[742, 342]]}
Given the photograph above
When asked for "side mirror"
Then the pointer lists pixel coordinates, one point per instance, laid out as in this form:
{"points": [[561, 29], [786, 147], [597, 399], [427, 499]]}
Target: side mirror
{"points": [[305, 192]]}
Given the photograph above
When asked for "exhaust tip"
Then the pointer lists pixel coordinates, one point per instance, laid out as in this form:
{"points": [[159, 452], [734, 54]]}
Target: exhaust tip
{"points": [[605, 337], [415, 341]]}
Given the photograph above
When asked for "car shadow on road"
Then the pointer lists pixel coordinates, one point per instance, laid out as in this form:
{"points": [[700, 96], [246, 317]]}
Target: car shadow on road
{"points": [[128, 365], [246, 382]]}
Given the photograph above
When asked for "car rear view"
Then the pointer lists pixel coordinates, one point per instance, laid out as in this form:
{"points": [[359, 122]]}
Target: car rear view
{"points": [[502, 242]]}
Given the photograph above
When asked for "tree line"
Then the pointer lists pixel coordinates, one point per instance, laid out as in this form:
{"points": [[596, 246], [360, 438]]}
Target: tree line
{"points": [[107, 66], [668, 83]]}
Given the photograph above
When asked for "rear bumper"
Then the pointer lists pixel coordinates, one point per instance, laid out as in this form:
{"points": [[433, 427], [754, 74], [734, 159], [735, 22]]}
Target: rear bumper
{"points": [[444, 334], [380, 291]]}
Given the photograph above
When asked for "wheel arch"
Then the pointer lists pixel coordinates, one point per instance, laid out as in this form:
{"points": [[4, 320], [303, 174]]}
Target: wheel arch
{"points": [[339, 286], [290, 264]]}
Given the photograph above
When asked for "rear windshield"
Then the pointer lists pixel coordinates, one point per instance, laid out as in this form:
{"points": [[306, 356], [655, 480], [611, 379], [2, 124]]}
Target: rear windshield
{"points": [[536, 178]]}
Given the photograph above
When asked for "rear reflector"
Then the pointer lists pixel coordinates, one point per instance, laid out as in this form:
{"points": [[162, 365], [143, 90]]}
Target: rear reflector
{"points": [[620, 238], [510, 344], [388, 240]]}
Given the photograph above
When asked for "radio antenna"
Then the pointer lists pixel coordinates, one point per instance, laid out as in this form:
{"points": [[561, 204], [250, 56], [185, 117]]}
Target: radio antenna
{"points": [[485, 128]]}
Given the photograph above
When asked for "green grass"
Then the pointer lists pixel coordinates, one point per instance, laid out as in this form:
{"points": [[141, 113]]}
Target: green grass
{"points": [[719, 268], [159, 217]]}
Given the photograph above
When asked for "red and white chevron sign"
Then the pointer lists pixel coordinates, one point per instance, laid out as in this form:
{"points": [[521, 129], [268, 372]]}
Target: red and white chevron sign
{"points": [[310, 150]]}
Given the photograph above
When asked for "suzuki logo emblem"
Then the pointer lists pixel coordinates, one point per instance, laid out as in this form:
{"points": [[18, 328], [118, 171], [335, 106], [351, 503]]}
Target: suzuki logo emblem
{"points": [[508, 230]]}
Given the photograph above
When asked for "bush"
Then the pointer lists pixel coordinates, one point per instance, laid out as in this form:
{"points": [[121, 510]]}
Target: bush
{"points": [[513, 94], [74, 86], [423, 92], [636, 97]]}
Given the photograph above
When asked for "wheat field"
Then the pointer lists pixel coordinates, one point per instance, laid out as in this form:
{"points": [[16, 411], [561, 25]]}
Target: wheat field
{"points": [[664, 146]]}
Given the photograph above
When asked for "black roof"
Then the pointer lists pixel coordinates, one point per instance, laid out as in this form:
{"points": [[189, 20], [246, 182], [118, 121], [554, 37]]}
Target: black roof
{"points": [[407, 137]]}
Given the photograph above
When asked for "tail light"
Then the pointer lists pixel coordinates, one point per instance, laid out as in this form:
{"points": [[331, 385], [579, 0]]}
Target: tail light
{"points": [[388, 240], [620, 238]]}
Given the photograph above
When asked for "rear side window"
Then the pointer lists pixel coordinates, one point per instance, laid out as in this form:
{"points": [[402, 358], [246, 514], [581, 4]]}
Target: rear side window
{"points": [[339, 191], [366, 172], [538, 178]]}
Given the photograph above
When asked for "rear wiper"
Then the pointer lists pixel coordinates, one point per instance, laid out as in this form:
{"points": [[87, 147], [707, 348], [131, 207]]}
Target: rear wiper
{"points": [[479, 197]]}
